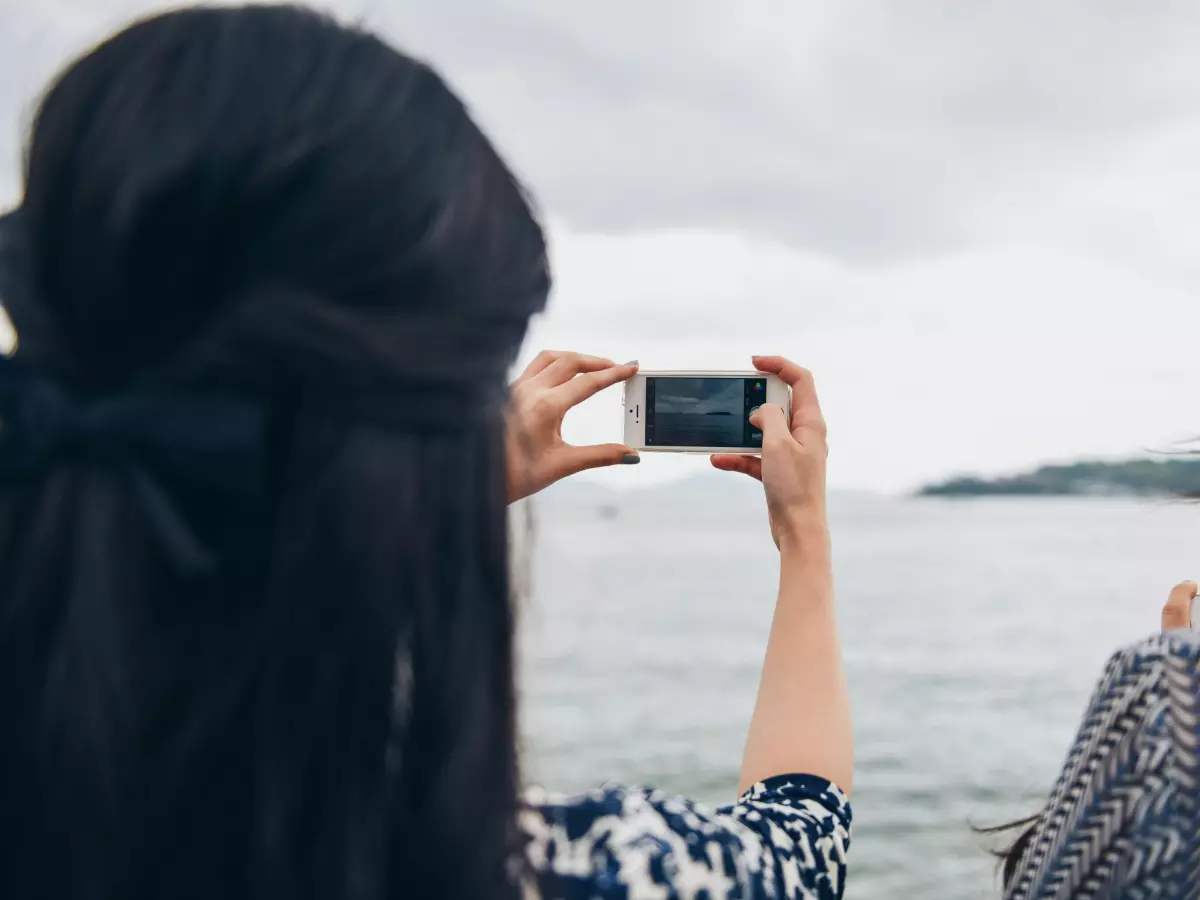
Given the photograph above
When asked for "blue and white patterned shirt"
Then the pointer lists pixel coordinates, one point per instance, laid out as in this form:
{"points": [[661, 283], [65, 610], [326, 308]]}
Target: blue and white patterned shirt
{"points": [[785, 838]]}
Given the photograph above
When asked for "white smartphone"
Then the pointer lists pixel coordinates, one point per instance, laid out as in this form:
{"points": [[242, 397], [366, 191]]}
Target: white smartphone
{"points": [[699, 412]]}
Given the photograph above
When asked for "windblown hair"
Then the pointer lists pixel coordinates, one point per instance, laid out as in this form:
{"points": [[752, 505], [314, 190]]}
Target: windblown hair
{"points": [[263, 201], [1010, 857]]}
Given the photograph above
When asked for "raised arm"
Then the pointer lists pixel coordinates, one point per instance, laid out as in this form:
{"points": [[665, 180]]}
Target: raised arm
{"points": [[801, 722]]}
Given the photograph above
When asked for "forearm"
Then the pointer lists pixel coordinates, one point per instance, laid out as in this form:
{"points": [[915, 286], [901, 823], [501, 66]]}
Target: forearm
{"points": [[801, 721]]}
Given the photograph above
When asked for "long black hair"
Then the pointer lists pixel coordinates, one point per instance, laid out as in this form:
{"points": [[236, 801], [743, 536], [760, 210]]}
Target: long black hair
{"points": [[274, 212]]}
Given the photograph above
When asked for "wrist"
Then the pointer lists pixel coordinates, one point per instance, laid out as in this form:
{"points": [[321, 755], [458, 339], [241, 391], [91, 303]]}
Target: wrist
{"points": [[807, 539], [806, 567]]}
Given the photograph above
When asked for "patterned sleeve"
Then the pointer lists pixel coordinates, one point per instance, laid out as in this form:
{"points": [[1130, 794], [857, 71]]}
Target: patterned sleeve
{"points": [[785, 838]]}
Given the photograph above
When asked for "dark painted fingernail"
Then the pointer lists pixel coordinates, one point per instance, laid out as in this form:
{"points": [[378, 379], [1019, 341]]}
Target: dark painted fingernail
{"points": [[630, 459]]}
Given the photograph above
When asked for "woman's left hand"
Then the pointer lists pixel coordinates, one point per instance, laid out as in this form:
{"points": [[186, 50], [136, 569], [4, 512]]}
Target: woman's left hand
{"points": [[555, 382], [1177, 613]]}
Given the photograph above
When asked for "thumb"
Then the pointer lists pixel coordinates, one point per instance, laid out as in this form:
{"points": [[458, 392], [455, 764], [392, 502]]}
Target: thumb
{"points": [[1177, 613], [597, 456], [770, 420]]}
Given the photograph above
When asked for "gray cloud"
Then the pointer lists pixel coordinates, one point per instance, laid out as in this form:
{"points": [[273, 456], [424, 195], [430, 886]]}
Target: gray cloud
{"points": [[866, 129]]}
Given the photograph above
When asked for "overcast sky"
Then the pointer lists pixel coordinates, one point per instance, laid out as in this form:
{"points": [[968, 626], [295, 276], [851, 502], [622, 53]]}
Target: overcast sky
{"points": [[979, 223]]}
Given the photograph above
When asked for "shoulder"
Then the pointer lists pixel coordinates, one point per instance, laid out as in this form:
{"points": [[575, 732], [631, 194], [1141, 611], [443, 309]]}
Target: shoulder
{"points": [[1183, 645], [786, 837], [1157, 667], [1147, 705]]}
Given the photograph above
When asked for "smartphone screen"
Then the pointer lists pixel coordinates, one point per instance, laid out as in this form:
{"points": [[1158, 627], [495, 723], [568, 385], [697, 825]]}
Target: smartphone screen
{"points": [[703, 412]]}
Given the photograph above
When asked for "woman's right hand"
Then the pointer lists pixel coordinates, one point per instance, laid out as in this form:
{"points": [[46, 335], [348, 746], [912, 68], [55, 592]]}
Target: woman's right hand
{"points": [[794, 454], [1177, 613]]}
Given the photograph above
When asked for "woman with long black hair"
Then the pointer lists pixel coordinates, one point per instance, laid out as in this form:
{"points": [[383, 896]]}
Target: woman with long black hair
{"points": [[256, 450]]}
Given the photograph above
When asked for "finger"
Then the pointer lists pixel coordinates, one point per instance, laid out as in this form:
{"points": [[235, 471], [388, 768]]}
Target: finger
{"points": [[567, 366], [596, 456], [788, 371], [732, 462], [581, 387], [540, 362], [770, 420], [806, 407], [1177, 613]]}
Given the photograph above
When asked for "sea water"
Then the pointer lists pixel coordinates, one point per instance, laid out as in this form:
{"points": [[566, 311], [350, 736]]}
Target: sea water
{"points": [[974, 631]]}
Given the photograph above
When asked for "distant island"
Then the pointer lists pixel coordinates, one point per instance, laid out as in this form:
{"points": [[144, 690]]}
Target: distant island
{"points": [[1175, 477]]}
